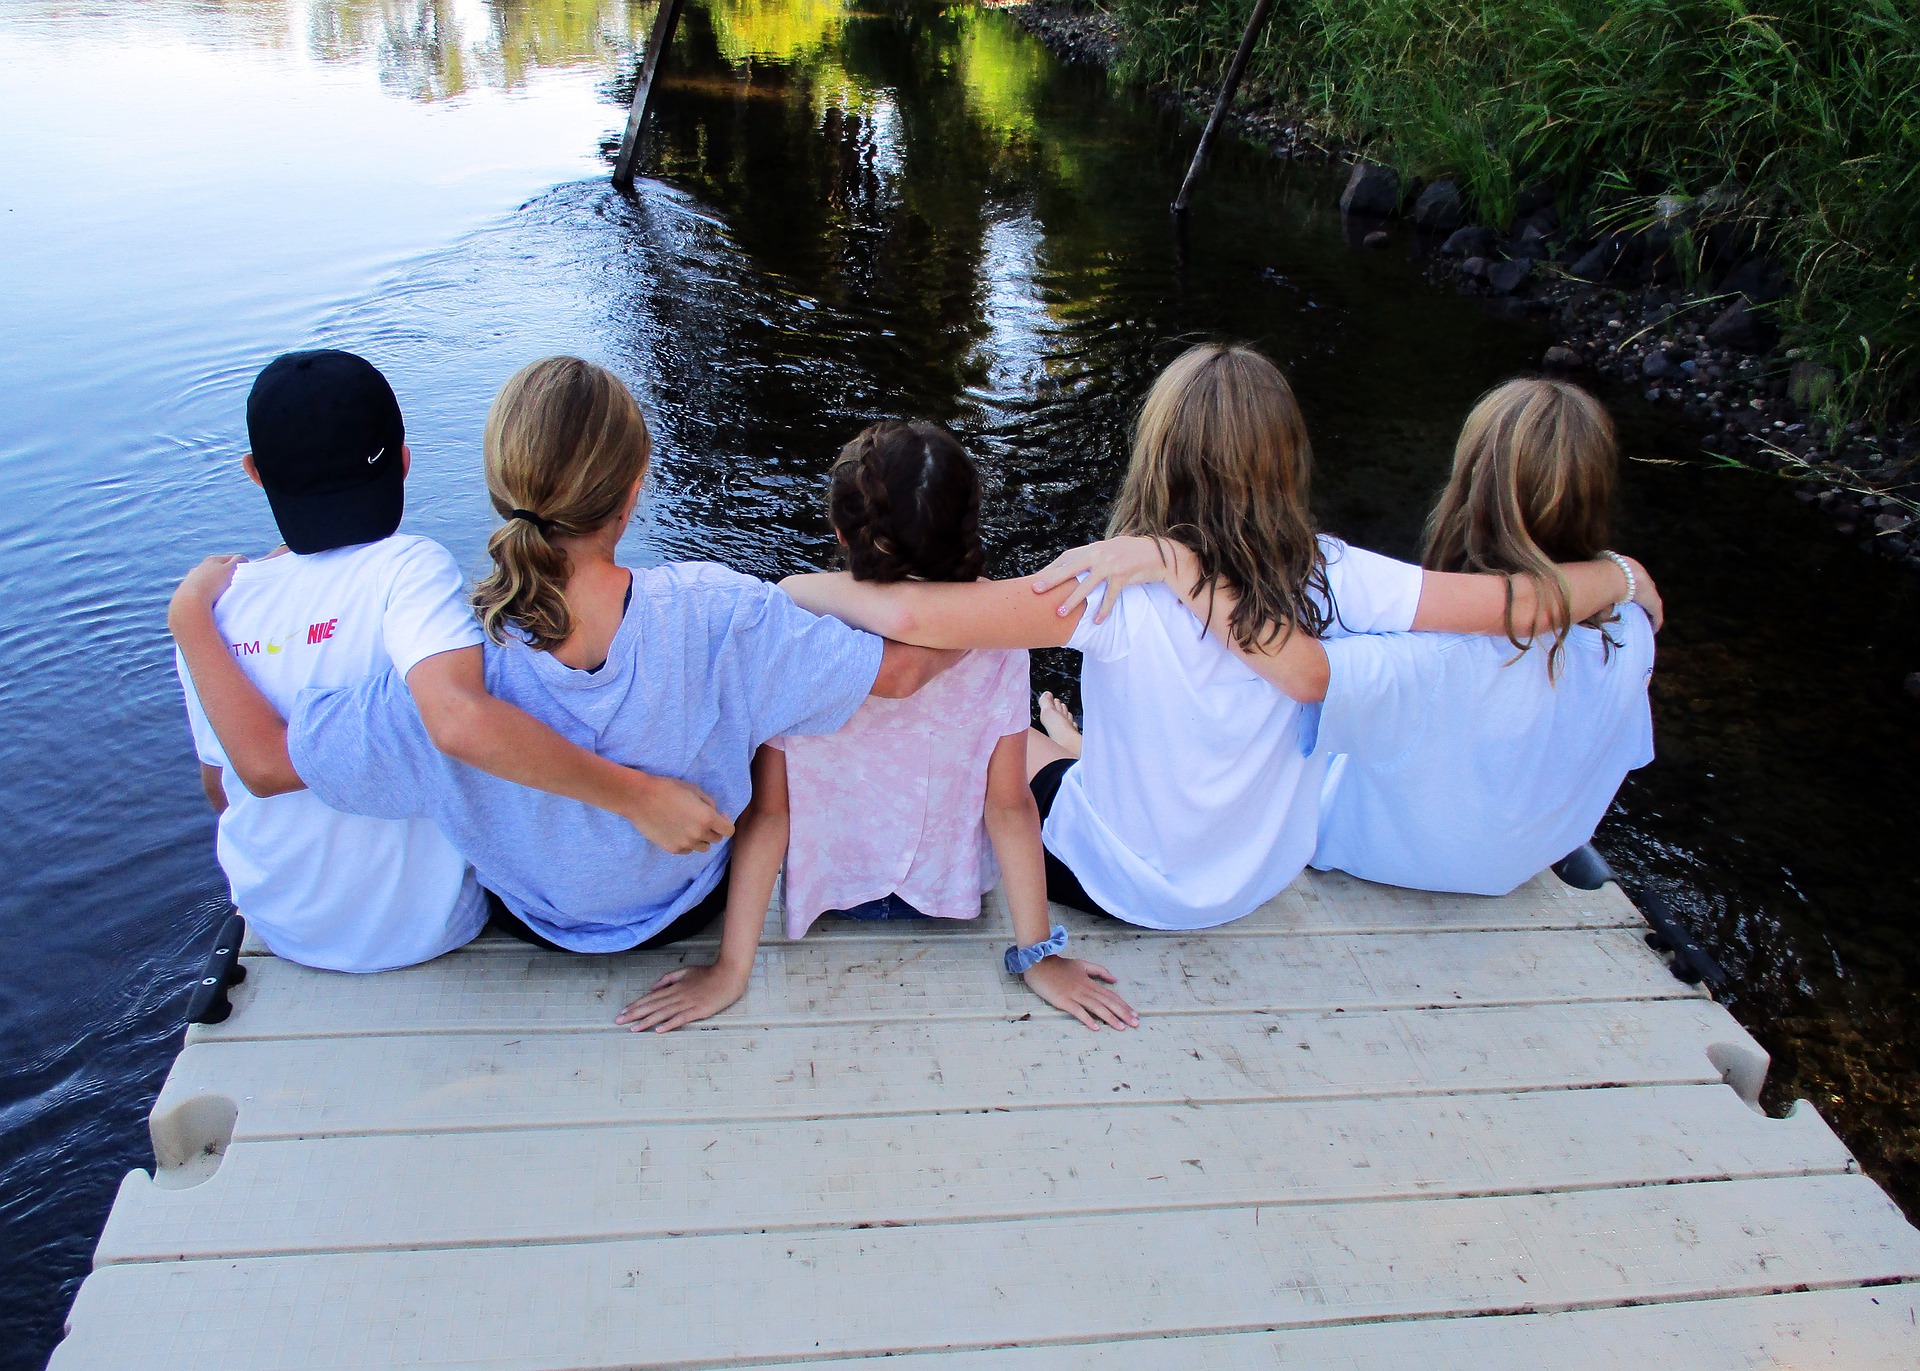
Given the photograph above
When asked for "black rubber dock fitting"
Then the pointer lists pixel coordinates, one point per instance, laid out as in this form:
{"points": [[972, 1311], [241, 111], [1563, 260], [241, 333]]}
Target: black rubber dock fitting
{"points": [[223, 970], [1586, 869]]}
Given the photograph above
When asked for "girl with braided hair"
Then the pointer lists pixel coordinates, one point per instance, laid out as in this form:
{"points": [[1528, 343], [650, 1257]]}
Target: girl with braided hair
{"points": [[903, 811]]}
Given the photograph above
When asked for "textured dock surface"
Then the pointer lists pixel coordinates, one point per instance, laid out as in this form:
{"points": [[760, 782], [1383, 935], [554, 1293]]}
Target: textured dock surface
{"points": [[1363, 1128]]}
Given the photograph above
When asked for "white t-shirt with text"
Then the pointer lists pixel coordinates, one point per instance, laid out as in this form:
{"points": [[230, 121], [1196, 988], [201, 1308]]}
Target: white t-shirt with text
{"points": [[1195, 799], [1456, 767], [322, 888]]}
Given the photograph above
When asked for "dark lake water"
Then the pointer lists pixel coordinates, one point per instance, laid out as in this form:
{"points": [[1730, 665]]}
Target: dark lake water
{"points": [[901, 211]]}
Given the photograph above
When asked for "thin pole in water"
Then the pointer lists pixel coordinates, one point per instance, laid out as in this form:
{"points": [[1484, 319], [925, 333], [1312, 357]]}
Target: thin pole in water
{"points": [[663, 26], [1227, 88]]}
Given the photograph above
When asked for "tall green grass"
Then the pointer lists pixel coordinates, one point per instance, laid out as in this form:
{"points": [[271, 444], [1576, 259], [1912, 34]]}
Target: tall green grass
{"points": [[1802, 115]]}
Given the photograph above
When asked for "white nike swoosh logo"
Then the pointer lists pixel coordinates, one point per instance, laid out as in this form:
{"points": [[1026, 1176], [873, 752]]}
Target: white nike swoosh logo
{"points": [[376, 456]]}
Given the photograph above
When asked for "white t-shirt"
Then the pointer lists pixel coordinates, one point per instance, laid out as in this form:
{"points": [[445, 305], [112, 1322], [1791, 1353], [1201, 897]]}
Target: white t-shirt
{"points": [[1195, 799], [1462, 772], [322, 888]]}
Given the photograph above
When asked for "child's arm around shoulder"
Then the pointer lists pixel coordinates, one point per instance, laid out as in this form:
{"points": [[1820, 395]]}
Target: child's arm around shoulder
{"points": [[939, 614], [250, 730], [464, 721], [469, 725], [1294, 663], [1476, 602]]}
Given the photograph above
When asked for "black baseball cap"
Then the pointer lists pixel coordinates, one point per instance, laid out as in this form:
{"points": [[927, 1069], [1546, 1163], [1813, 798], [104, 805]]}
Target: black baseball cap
{"points": [[326, 435]]}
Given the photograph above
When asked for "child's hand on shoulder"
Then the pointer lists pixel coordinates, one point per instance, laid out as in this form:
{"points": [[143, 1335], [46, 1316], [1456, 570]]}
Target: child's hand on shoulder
{"points": [[1083, 989], [685, 996], [201, 588], [1117, 563]]}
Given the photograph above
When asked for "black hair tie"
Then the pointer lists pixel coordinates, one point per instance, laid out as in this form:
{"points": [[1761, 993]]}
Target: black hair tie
{"points": [[542, 525]]}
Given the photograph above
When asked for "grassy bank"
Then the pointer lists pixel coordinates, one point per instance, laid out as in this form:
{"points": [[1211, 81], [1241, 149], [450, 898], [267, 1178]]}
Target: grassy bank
{"points": [[1798, 120]]}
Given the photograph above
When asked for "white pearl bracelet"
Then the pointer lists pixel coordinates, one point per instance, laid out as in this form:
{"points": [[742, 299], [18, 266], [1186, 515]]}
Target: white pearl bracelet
{"points": [[1626, 569]]}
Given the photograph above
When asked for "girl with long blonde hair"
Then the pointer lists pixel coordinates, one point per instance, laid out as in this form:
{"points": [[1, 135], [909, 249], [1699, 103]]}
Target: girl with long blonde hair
{"points": [[1468, 763], [1192, 800]]}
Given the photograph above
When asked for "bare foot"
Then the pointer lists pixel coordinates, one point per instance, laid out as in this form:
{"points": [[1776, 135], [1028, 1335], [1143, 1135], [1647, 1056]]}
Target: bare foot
{"points": [[1059, 724]]}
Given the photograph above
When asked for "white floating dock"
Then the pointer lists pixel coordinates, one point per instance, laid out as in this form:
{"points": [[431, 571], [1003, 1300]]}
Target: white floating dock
{"points": [[1363, 1128]]}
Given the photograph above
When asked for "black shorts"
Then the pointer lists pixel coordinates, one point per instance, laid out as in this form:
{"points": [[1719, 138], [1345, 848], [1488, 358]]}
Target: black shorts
{"points": [[1063, 887], [711, 905]]}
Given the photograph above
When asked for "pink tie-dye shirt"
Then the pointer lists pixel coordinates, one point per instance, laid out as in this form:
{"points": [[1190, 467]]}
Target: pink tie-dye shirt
{"points": [[893, 804]]}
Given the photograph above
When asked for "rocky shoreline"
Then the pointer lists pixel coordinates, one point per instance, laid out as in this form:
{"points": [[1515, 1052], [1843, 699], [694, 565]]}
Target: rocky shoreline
{"points": [[1618, 308]]}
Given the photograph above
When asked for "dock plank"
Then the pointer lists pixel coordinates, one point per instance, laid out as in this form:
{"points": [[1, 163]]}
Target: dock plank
{"points": [[850, 979], [961, 1286], [292, 1087], [574, 1185], [1850, 1330]]}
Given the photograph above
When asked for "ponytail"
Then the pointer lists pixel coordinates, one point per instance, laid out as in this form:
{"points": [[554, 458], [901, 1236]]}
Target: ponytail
{"points": [[564, 445]]}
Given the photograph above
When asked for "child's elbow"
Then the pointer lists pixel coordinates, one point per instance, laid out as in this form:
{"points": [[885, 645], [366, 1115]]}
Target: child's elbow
{"points": [[1309, 684], [1012, 808], [264, 780], [456, 728], [901, 673]]}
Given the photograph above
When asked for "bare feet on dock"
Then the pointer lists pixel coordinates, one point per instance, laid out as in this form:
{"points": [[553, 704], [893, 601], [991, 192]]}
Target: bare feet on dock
{"points": [[1059, 724]]}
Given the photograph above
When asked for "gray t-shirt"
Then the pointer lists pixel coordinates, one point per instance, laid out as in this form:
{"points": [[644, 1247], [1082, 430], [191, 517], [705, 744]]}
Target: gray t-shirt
{"points": [[706, 665]]}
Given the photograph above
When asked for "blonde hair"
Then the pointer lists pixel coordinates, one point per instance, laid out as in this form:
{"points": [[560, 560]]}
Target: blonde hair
{"points": [[564, 445], [1532, 485], [1222, 465]]}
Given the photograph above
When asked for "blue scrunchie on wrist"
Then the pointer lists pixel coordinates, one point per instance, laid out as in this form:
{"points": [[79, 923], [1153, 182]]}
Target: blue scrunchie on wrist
{"points": [[1021, 960]]}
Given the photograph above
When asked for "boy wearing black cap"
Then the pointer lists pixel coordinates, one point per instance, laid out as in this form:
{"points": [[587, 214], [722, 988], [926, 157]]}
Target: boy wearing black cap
{"points": [[347, 597]]}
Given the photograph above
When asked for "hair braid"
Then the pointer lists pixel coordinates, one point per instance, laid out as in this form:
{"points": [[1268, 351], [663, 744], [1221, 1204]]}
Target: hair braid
{"points": [[905, 499]]}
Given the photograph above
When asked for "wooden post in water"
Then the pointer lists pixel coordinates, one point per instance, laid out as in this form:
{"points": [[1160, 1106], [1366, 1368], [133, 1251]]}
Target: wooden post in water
{"points": [[663, 26], [1227, 88]]}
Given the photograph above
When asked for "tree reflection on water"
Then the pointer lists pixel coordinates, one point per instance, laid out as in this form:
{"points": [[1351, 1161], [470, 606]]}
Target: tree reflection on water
{"points": [[437, 49]]}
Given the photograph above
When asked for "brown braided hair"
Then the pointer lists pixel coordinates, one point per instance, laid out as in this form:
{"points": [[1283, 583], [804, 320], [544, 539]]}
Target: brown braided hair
{"points": [[905, 498]]}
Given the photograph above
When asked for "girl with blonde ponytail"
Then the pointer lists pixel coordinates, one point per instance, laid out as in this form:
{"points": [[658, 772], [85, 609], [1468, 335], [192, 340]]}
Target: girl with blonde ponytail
{"points": [[1193, 798], [683, 670]]}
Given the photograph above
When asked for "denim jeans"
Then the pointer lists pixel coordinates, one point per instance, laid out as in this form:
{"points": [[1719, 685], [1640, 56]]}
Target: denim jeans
{"points": [[886, 907]]}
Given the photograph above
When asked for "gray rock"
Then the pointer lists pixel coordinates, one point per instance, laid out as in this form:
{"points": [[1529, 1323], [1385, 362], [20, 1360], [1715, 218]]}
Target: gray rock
{"points": [[1371, 189], [1474, 241], [1562, 359], [1439, 208], [1758, 278], [1476, 267], [1743, 328], [1506, 277], [1913, 684], [1612, 253], [1656, 367], [1531, 242], [1379, 238]]}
